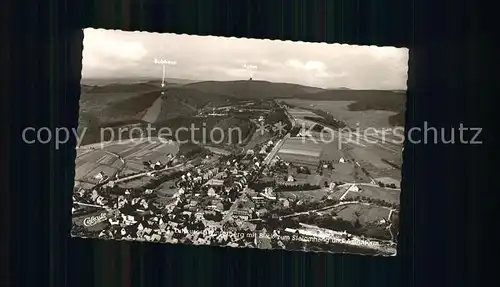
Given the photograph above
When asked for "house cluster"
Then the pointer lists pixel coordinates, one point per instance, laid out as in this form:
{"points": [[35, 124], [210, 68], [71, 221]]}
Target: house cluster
{"points": [[132, 217], [138, 203], [266, 148], [201, 194], [172, 228], [153, 166], [224, 183], [89, 197], [170, 160]]}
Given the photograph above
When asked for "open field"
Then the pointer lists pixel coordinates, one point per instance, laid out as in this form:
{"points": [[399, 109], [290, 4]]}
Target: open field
{"points": [[342, 172], [299, 159], [302, 146], [88, 171], [93, 156], [340, 110], [302, 143], [89, 164], [90, 161], [300, 113], [343, 168], [136, 183], [389, 180], [372, 159], [83, 169], [331, 152], [388, 195], [108, 170], [165, 190], [312, 179], [300, 151], [363, 154], [308, 195], [134, 167], [370, 221], [81, 152], [365, 214], [153, 152]]}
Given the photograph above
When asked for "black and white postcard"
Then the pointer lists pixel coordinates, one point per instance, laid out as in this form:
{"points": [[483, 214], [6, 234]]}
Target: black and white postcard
{"points": [[233, 142]]}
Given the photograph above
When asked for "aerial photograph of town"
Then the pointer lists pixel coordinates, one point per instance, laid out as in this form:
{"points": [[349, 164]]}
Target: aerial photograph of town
{"points": [[231, 142]]}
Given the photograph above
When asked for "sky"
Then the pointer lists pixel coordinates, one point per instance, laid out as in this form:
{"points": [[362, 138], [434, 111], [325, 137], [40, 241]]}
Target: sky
{"points": [[121, 54]]}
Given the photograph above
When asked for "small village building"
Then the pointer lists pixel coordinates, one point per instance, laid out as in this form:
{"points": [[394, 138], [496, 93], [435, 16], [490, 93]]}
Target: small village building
{"points": [[211, 192], [354, 188], [261, 212], [94, 195], [268, 190], [100, 176], [285, 202]]}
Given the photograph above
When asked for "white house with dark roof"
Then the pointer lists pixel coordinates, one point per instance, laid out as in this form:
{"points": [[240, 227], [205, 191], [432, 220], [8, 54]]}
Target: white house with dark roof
{"points": [[211, 192], [100, 175]]}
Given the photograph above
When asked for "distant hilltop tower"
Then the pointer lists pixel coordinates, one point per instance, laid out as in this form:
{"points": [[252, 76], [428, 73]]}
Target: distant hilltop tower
{"points": [[250, 79]]}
